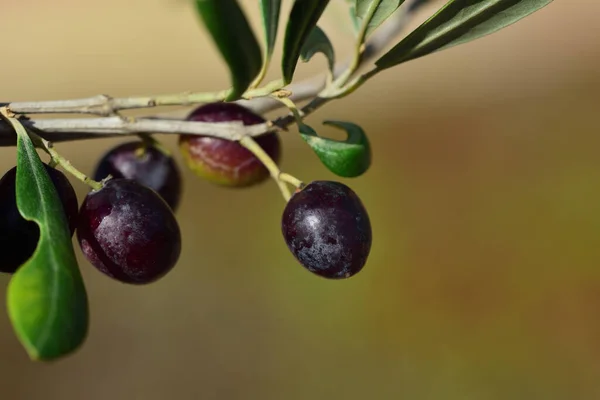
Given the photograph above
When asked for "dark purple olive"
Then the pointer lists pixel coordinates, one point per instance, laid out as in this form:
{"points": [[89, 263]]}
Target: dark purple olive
{"points": [[327, 229], [128, 232], [146, 165]]}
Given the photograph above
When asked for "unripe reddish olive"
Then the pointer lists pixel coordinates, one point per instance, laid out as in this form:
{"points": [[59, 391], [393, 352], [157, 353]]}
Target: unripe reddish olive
{"points": [[227, 162]]}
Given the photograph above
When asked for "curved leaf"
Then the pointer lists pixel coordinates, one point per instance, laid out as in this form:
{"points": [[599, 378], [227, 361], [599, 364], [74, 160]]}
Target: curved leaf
{"points": [[270, 10], [458, 22], [231, 32], [46, 299], [318, 42], [349, 158], [303, 18], [384, 10]]}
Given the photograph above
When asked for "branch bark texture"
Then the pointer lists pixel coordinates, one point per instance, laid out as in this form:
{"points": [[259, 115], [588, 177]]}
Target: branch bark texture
{"points": [[110, 124]]}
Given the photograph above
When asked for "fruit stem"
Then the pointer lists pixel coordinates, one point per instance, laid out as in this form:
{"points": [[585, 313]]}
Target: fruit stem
{"points": [[57, 159], [249, 143], [292, 180], [286, 101]]}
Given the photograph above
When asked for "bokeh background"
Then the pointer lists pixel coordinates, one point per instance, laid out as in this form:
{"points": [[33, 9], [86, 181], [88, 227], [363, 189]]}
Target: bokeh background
{"points": [[484, 278]]}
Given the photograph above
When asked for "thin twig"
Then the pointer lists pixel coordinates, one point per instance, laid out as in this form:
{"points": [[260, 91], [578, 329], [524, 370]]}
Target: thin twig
{"points": [[104, 105], [292, 180], [309, 88], [57, 159], [64, 129], [61, 130], [268, 162]]}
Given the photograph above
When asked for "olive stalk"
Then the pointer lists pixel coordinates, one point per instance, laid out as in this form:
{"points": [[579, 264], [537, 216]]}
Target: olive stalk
{"points": [[279, 177]]}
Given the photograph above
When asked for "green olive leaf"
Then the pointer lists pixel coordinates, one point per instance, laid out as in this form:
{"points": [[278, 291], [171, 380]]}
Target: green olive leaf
{"points": [[233, 36], [458, 22], [269, 11], [318, 42], [46, 298], [349, 158], [353, 17], [383, 10], [302, 19]]}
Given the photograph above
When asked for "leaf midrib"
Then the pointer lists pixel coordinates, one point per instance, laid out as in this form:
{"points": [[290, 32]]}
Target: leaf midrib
{"points": [[427, 40], [457, 24], [43, 339]]}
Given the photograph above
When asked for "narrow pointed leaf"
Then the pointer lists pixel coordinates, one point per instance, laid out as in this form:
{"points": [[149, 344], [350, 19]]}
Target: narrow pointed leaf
{"points": [[302, 19], [318, 42], [270, 10], [384, 10], [458, 22], [349, 158], [46, 298], [233, 36], [353, 16]]}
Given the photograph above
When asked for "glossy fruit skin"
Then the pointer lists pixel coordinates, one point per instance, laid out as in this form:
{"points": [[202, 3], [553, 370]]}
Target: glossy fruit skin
{"points": [[226, 162], [128, 232], [327, 229], [19, 237], [153, 169]]}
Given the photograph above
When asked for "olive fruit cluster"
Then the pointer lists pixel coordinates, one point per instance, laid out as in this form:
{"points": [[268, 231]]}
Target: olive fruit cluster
{"points": [[127, 229]]}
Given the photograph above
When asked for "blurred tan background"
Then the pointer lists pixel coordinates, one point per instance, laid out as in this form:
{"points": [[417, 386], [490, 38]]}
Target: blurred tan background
{"points": [[484, 278]]}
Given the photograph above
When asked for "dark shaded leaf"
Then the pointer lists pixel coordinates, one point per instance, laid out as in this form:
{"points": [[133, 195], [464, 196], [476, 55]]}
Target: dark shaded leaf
{"points": [[231, 32], [318, 42], [270, 10], [458, 22], [302, 20]]}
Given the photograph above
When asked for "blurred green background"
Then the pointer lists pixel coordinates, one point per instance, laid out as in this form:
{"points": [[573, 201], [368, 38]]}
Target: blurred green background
{"points": [[484, 277]]}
